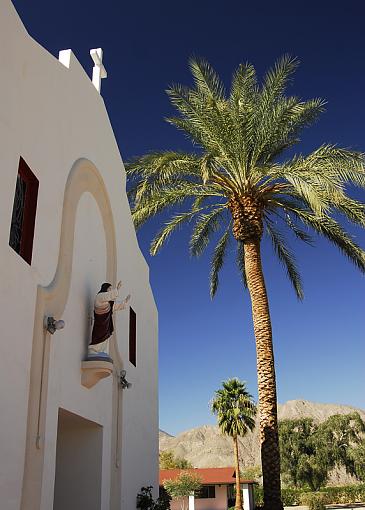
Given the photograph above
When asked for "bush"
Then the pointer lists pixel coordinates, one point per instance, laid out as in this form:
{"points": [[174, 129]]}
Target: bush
{"points": [[289, 496], [258, 495], [145, 500], [345, 494], [328, 496], [314, 500]]}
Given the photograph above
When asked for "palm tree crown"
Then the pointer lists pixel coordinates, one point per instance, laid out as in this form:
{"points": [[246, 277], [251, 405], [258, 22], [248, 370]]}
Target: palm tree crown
{"points": [[237, 180], [234, 408]]}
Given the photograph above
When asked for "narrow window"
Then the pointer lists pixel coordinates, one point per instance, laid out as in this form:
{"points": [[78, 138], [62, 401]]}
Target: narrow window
{"points": [[24, 212], [132, 337], [206, 492]]}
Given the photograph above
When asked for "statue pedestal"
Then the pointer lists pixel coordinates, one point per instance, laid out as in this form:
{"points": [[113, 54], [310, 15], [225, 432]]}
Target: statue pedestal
{"points": [[95, 368]]}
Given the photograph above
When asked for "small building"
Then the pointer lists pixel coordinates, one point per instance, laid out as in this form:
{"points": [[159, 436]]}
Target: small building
{"points": [[73, 433], [217, 491]]}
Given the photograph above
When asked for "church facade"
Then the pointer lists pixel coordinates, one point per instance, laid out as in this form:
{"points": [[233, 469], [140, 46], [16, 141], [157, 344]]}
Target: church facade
{"points": [[75, 432]]}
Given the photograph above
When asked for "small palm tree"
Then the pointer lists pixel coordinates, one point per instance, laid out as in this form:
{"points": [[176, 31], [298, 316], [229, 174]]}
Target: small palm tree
{"points": [[235, 411], [238, 181]]}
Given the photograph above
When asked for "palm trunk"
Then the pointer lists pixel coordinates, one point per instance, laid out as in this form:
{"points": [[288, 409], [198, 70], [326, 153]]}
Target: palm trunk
{"points": [[238, 505], [269, 437]]}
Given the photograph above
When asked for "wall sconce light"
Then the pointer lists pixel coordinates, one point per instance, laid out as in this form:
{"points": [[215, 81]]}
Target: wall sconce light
{"points": [[123, 381], [52, 325]]}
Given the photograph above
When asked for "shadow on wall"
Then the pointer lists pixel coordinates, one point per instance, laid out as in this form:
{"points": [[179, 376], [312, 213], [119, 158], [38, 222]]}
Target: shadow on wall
{"points": [[78, 463]]}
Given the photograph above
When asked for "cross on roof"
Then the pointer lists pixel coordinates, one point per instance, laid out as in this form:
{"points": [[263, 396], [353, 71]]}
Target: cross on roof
{"points": [[99, 70]]}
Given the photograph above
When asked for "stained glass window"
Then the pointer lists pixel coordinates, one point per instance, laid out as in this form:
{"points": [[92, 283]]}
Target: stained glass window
{"points": [[24, 212]]}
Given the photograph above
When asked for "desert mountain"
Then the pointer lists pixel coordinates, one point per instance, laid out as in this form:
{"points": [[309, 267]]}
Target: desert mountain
{"points": [[206, 447], [162, 434]]}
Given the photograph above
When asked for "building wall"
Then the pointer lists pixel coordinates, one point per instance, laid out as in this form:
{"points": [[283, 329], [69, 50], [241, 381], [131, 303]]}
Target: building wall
{"points": [[53, 117], [218, 503]]}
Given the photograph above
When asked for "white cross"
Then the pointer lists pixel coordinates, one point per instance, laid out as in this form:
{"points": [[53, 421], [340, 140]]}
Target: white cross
{"points": [[99, 70]]}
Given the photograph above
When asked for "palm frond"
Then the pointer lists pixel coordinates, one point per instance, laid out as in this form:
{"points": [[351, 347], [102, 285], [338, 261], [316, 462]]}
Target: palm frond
{"points": [[159, 162], [288, 118], [217, 261], [286, 257], [329, 228], [278, 76], [352, 209], [153, 171], [205, 226], [345, 165], [298, 232], [210, 124], [271, 93], [161, 199], [328, 165], [206, 79], [175, 222], [244, 89]]}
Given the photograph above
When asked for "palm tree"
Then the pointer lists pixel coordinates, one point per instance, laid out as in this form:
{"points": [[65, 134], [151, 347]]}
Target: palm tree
{"points": [[235, 411], [237, 180]]}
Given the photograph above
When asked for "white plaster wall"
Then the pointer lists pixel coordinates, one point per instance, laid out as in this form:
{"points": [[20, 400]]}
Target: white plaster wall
{"points": [[52, 116], [68, 348]]}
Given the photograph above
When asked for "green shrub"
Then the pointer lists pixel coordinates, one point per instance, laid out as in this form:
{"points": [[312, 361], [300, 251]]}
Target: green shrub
{"points": [[328, 496], [145, 500], [346, 494], [258, 494], [314, 500], [291, 496]]}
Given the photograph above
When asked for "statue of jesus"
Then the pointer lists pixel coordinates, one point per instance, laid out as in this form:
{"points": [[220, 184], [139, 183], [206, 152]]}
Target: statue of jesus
{"points": [[103, 327]]}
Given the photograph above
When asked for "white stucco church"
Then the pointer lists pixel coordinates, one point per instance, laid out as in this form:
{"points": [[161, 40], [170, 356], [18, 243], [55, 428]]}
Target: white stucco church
{"points": [[73, 434]]}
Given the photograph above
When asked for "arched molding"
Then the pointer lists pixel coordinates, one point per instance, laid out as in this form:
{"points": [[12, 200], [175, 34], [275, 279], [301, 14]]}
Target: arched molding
{"points": [[51, 301]]}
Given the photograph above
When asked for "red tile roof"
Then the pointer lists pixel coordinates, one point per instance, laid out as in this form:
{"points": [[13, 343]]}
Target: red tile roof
{"points": [[207, 475]]}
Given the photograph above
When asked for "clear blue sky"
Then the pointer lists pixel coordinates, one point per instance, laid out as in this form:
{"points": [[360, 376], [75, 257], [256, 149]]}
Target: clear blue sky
{"points": [[320, 343]]}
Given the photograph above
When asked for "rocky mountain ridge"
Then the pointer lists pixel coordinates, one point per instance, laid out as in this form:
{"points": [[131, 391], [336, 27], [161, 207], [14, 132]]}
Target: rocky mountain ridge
{"points": [[206, 447]]}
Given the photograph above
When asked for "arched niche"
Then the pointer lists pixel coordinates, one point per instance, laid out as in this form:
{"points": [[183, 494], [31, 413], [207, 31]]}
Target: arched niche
{"points": [[51, 301]]}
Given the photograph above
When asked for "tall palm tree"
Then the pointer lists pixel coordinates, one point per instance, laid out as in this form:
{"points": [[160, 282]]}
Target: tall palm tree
{"points": [[235, 411], [238, 180]]}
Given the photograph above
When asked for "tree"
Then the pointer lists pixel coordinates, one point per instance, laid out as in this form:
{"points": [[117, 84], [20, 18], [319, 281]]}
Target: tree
{"points": [[343, 433], [309, 451], [305, 461], [252, 473], [357, 455], [182, 487], [169, 461], [235, 411], [237, 180]]}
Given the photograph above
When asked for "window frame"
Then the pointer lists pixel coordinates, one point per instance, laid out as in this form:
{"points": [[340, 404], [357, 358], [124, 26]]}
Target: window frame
{"points": [[29, 211], [208, 488], [132, 336]]}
